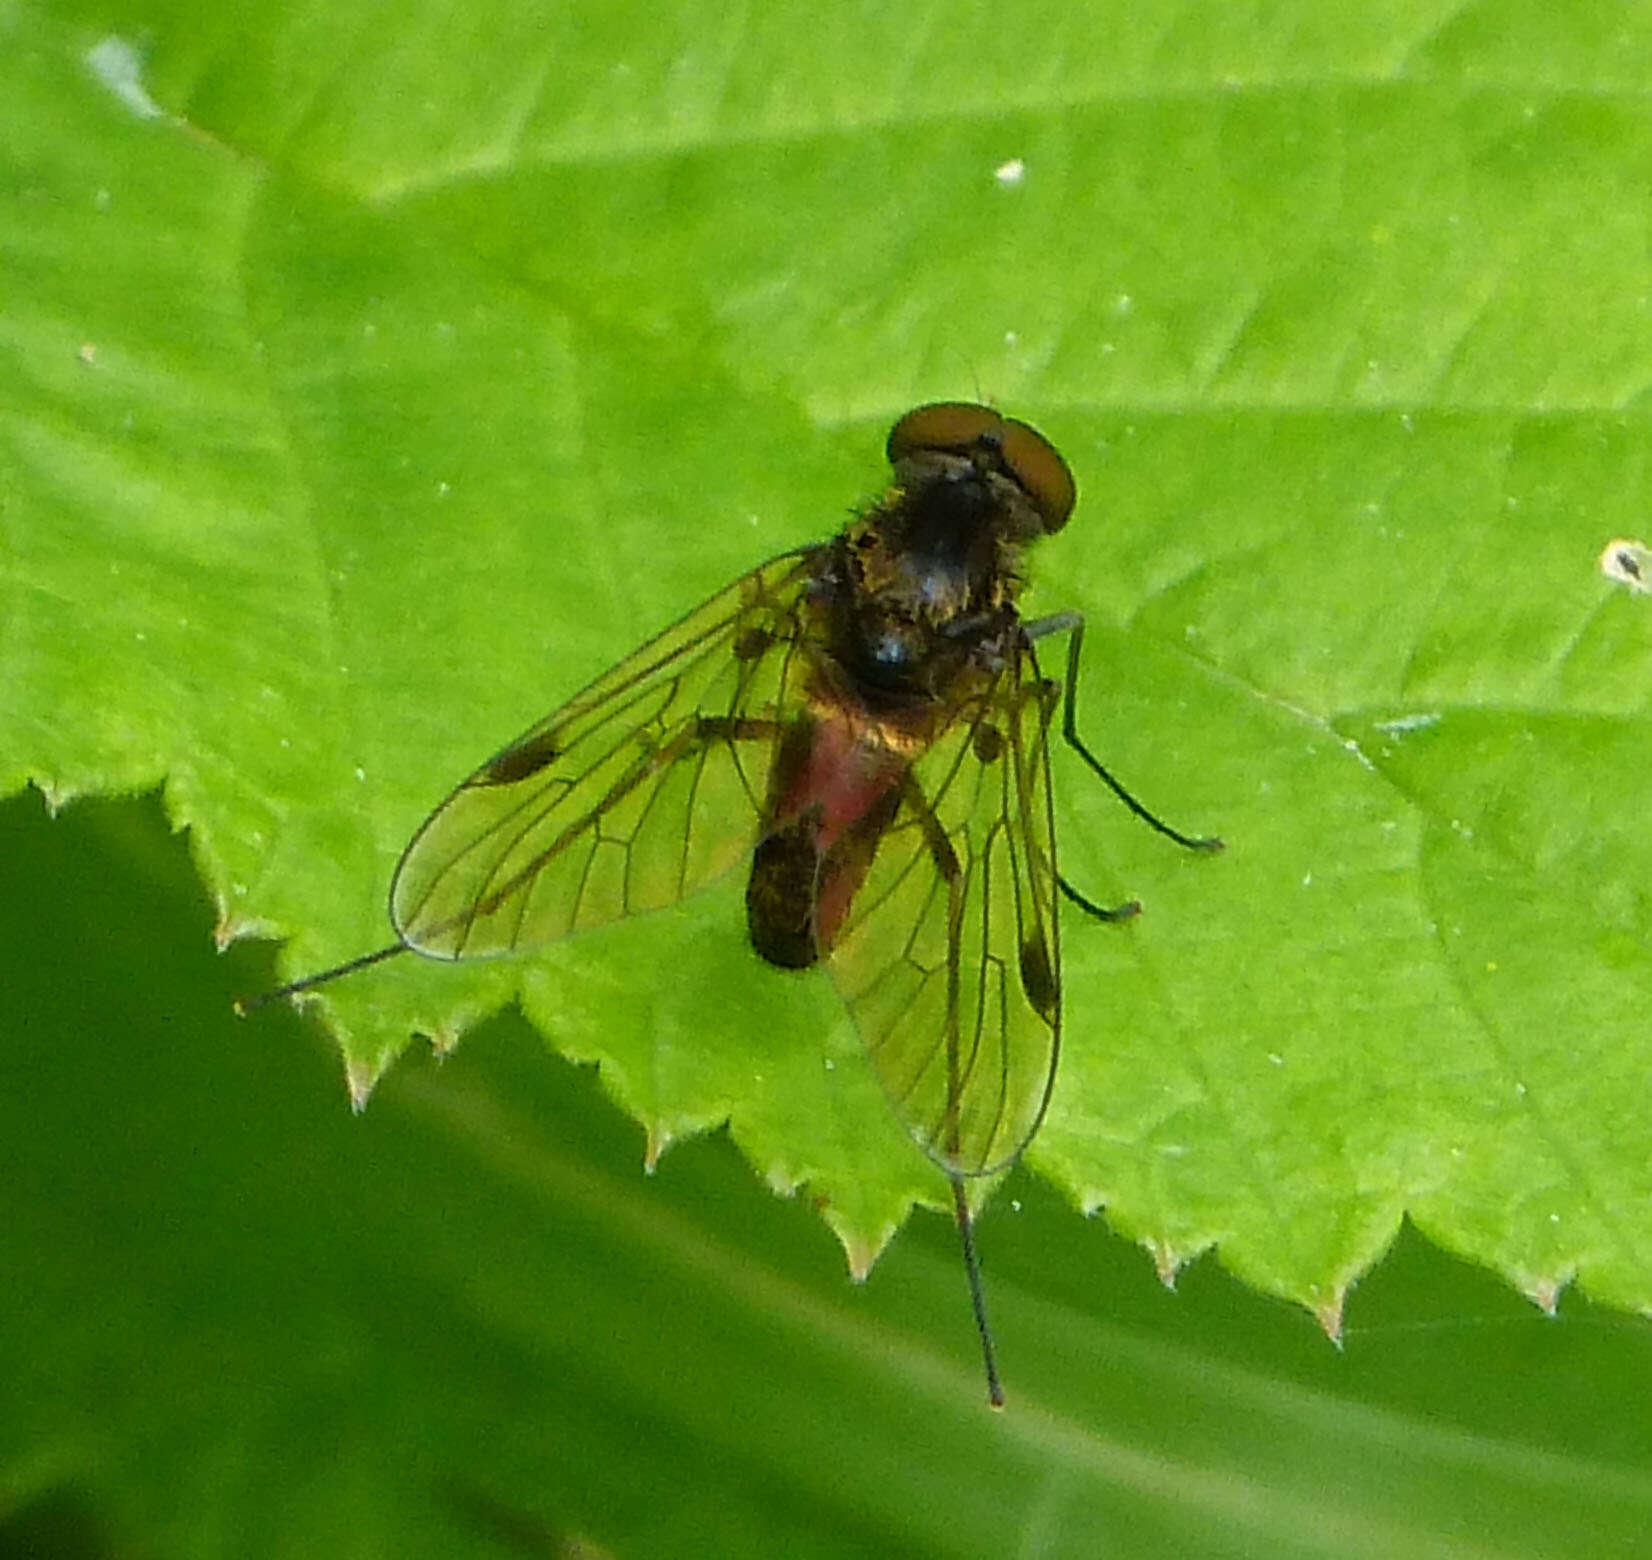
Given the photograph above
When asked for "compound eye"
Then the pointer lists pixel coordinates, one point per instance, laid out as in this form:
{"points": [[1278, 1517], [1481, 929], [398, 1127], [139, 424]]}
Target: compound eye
{"points": [[961, 427]]}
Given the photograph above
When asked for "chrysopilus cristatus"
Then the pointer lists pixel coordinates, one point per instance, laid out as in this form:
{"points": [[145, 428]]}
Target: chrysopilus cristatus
{"points": [[866, 722]]}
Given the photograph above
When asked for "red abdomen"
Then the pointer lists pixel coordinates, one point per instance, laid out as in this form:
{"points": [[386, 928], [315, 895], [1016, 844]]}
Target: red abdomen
{"points": [[832, 793]]}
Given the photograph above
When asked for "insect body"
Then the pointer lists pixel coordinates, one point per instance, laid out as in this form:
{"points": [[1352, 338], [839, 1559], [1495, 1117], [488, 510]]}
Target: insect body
{"points": [[866, 720]]}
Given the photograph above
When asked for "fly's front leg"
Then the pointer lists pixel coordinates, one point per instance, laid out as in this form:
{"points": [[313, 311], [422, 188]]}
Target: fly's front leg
{"points": [[1072, 624], [1128, 911]]}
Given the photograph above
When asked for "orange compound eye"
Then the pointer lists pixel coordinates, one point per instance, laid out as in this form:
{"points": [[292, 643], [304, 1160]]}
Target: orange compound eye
{"points": [[961, 427]]}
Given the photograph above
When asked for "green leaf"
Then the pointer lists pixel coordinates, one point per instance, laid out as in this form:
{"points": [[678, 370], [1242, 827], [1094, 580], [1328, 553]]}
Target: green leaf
{"points": [[367, 388]]}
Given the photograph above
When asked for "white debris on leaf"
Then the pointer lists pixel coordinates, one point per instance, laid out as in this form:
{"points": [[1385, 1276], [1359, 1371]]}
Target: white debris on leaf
{"points": [[1404, 723], [117, 65]]}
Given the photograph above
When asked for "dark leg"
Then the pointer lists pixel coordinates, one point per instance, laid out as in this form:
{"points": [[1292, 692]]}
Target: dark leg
{"points": [[246, 1005], [951, 872], [966, 1234], [1125, 912], [1072, 624]]}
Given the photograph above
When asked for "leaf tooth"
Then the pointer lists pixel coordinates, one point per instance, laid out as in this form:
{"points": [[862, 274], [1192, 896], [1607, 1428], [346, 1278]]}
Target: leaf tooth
{"points": [[1167, 1260], [1328, 1313], [860, 1252], [56, 794], [660, 1138], [784, 1182], [861, 1255], [360, 1078], [1544, 1293]]}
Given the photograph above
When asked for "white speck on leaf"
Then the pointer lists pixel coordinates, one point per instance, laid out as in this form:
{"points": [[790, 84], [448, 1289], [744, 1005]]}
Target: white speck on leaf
{"points": [[1404, 723], [117, 65], [1359, 753]]}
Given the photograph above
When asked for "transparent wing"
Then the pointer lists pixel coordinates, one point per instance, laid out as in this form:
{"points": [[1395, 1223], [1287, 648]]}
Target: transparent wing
{"points": [[948, 959], [639, 790]]}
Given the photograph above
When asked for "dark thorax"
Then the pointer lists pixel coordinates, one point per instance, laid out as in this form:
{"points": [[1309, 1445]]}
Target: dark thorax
{"points": [[921, 589]]}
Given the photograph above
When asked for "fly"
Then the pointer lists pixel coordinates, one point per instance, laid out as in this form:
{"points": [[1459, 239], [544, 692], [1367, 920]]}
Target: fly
{"points": [[864, 720]]}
